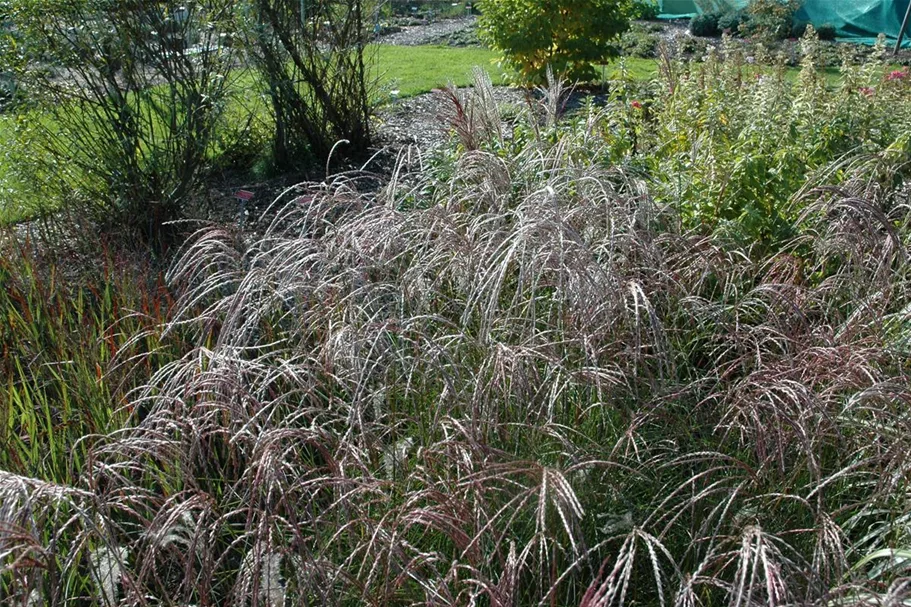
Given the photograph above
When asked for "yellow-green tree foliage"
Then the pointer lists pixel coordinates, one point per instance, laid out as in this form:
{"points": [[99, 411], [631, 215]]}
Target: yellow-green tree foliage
{"points": [[568, 35]]}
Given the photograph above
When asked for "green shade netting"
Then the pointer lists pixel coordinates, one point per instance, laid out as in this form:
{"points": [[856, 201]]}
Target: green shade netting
{"points": [[854, 20], [857, 20], [678, 9]]}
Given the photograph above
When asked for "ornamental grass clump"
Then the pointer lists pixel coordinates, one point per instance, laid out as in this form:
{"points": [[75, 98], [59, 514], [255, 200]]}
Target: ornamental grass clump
{"points": [[520, 374]]}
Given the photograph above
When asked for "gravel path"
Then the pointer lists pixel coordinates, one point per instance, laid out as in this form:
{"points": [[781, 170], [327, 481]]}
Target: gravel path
{"points": [[425, 34], [421, 120]]}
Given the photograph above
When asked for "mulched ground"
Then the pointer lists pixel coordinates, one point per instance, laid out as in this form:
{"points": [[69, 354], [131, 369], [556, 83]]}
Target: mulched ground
{"points": [[422, 120]]}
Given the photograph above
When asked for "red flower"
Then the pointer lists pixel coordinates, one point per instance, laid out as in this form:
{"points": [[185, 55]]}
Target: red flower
{"points": [[636, 105], [897, 74]]}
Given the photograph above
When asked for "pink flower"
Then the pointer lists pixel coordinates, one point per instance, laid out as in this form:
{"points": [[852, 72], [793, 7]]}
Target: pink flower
{"points": [[636, 105], [867, 91], [897, 74]]}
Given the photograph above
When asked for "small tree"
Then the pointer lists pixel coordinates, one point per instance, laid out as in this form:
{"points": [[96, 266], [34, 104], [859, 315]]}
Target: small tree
{"points": [[310, 56], [567, 35], [130, 95]]}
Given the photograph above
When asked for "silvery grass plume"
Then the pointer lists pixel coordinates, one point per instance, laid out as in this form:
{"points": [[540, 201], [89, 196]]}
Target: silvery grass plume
{"points": [[473, 115], [37, 517], [369, 357]]}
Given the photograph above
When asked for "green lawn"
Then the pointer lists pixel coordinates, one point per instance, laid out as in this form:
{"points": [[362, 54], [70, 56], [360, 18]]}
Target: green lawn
{"points": [[413, 70], [419, 69], [13, 206]]}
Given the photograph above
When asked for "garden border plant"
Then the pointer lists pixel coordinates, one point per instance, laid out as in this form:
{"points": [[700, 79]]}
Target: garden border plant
{"points": [[568, 37], [128, 100], [314, 71], [650, 352]]}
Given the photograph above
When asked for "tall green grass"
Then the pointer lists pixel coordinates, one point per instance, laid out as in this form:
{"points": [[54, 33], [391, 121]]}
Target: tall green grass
{"points": [[77, 337]]}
